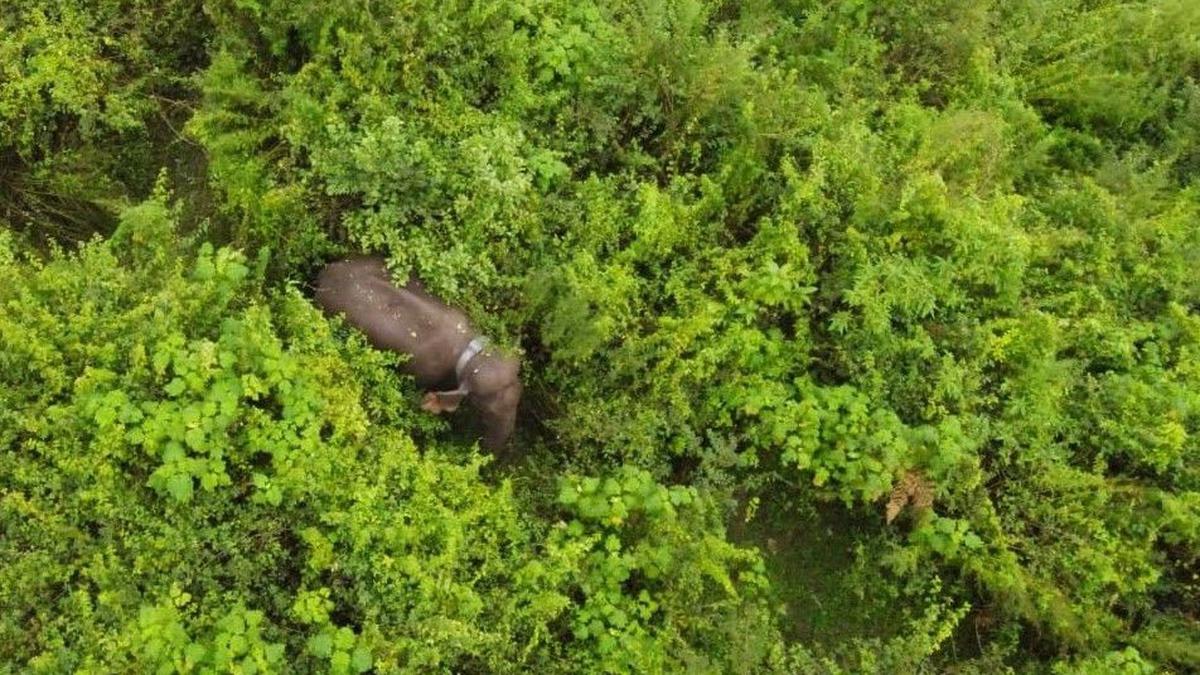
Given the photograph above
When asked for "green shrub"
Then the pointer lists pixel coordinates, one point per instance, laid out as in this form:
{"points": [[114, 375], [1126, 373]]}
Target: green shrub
{"points": [[931, 265], [87, 90], [195, 476]]}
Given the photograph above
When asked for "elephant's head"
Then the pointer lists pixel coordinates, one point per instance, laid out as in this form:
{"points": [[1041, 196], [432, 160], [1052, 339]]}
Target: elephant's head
{"points": [[492, 382]]}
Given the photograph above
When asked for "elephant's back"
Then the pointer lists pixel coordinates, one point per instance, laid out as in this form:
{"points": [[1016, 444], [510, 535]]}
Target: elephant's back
{"points": [[340, 273], [358, 289]]}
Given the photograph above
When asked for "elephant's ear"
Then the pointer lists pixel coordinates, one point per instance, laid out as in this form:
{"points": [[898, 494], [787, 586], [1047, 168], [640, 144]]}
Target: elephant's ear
{"points": [[443, 401]]}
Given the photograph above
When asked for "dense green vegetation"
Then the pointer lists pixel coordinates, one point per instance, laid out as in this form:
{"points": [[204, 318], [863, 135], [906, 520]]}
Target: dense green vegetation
{"points": [[858, 336]]}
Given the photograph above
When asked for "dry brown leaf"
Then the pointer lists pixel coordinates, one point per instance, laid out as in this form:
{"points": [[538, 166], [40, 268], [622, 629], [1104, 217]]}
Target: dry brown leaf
{"points": [[911, 490]]}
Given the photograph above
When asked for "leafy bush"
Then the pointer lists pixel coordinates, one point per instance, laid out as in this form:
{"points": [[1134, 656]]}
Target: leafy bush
{"points": [[194, 478], [930, 265], [87, 92]]}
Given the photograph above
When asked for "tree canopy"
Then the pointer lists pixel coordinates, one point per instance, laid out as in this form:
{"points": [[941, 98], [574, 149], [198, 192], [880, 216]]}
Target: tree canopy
{"points": [[858, 336]]}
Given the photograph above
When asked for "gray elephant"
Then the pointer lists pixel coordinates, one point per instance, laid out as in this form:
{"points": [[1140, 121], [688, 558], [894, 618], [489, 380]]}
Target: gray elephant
{"points": [[447, 356]]}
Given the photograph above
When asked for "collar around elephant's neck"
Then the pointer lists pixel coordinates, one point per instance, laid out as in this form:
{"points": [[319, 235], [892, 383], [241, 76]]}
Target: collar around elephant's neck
{"points": [[473, 348]]}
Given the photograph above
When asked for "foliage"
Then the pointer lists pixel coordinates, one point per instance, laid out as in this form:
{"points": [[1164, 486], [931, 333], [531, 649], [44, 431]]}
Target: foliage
{"points": [[87, 91], [212, 491], [931, 264]]}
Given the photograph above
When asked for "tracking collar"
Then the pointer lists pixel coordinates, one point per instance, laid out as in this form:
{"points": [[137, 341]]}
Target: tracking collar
{"points": [[473, 348]]}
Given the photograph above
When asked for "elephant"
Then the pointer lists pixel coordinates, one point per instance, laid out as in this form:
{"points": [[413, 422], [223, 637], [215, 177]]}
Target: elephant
{"points": [[447, 357]]}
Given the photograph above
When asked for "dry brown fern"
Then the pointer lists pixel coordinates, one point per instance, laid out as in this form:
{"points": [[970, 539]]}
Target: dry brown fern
{"points": [[913, 490]]}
